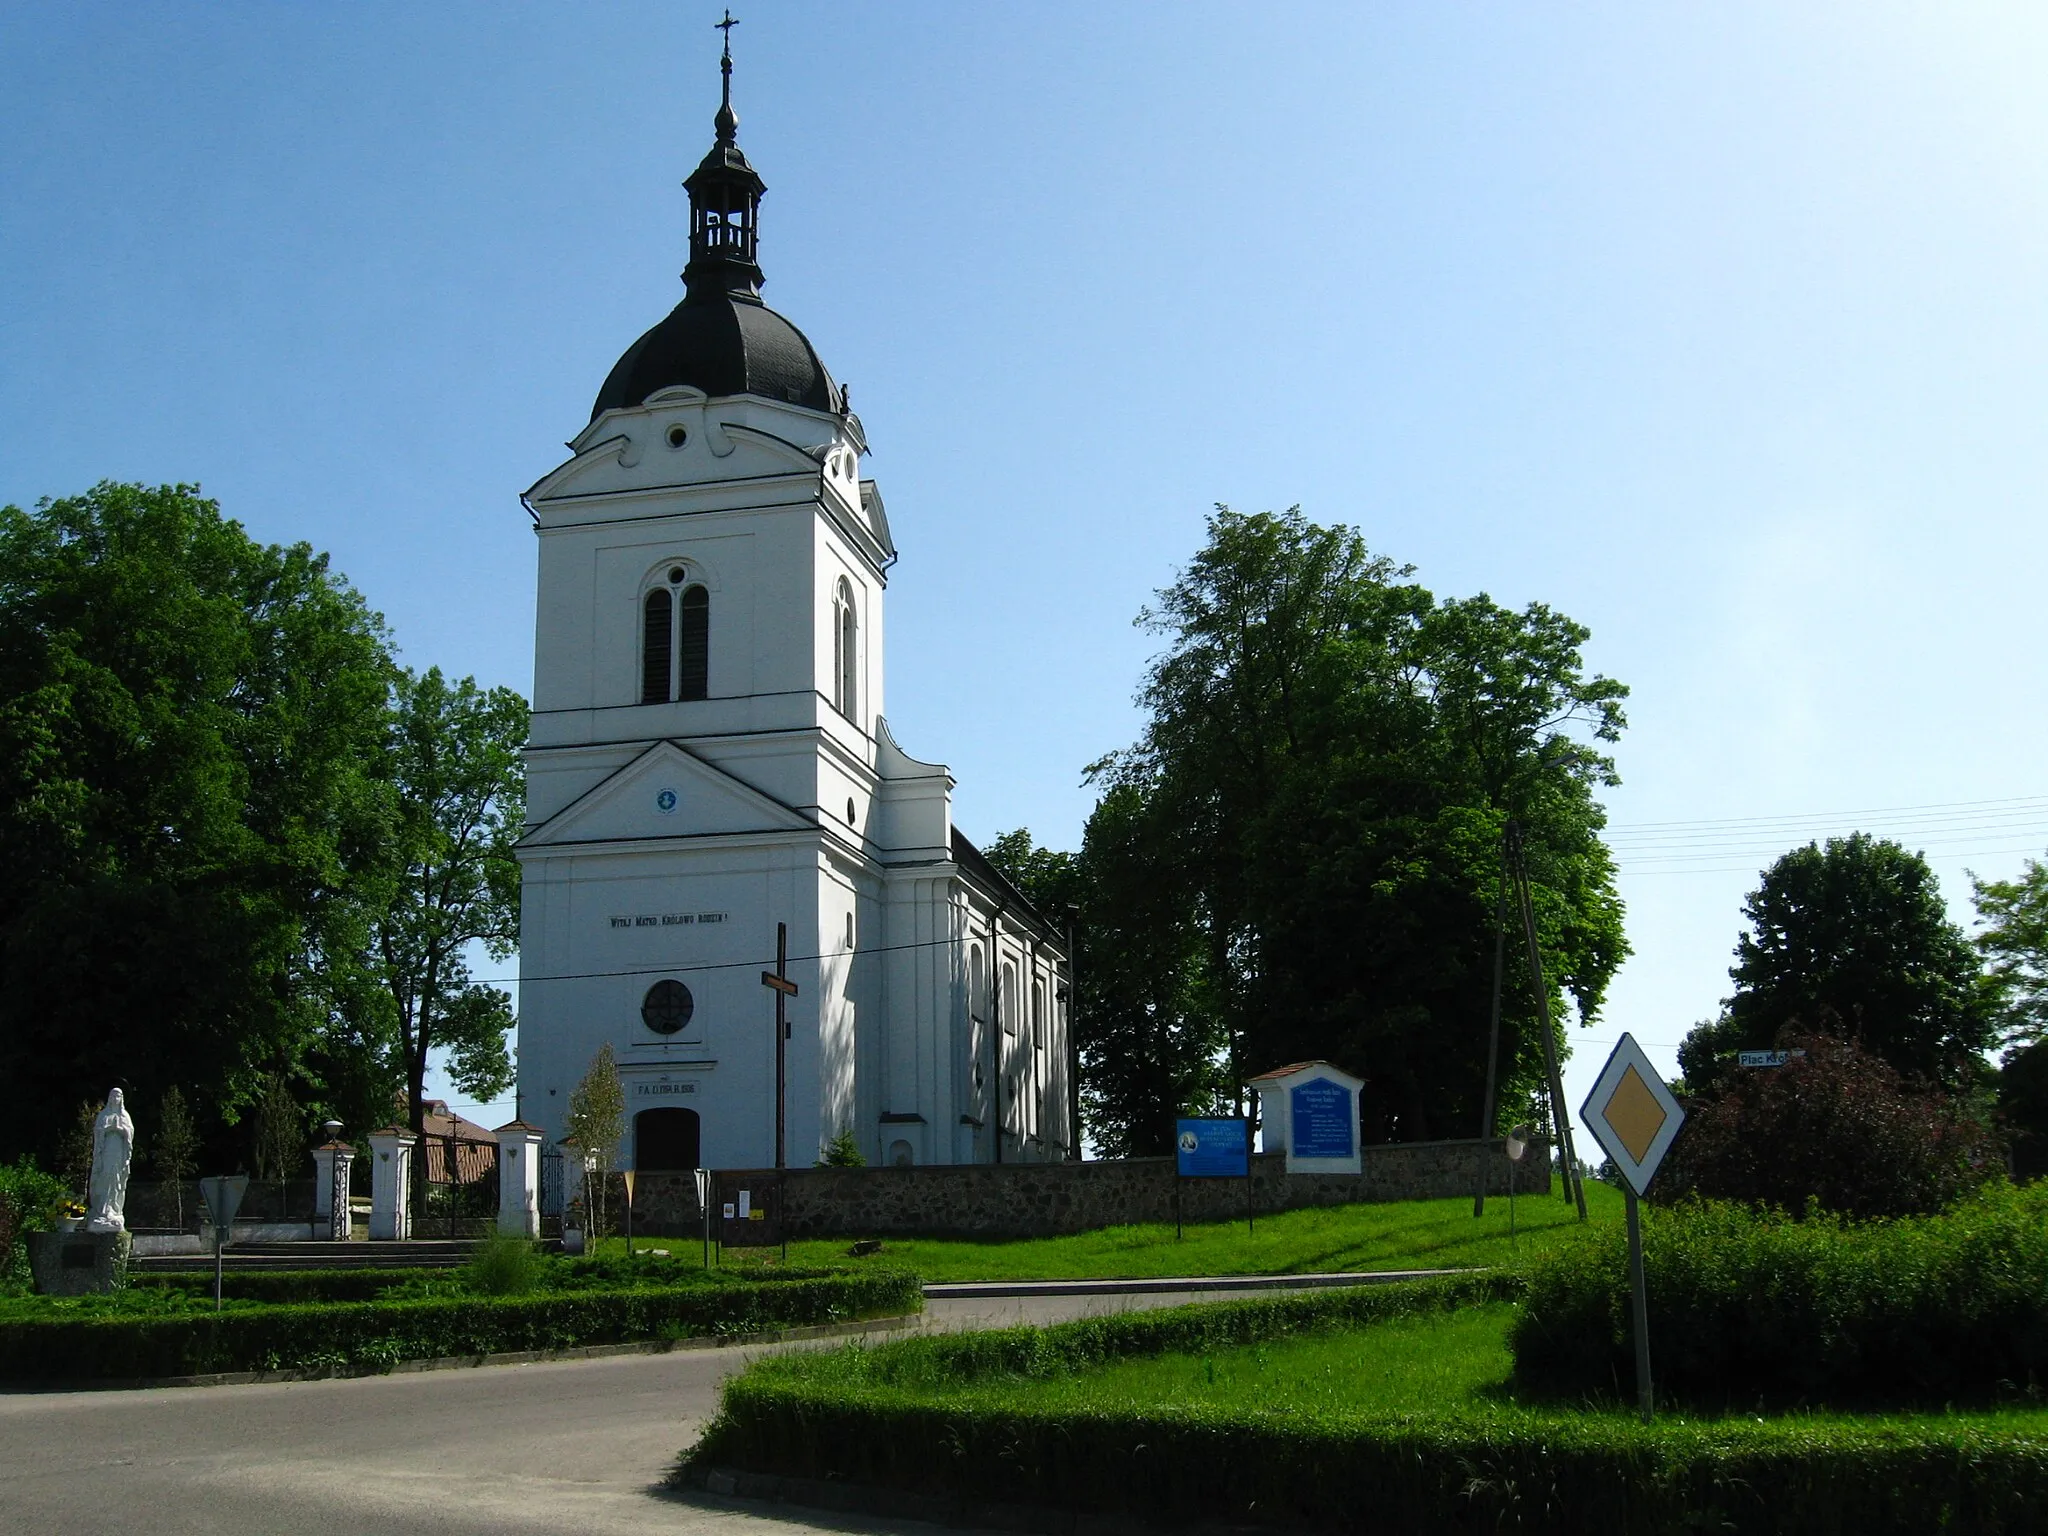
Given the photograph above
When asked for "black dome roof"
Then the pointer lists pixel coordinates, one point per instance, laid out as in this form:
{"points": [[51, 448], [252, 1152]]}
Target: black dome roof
{"points": [[724, 344]]}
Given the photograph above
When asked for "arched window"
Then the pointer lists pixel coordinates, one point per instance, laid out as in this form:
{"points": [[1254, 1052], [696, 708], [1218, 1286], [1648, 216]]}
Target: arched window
{"points": [[693, 645], [1009, 999], [1038, 1014], [675, 641], [845, 652], [658, 620], [977, 1020]]}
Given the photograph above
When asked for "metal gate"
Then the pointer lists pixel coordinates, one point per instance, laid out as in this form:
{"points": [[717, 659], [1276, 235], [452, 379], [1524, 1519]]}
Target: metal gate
{"points": [[551, 1192], [337, 1201], [455, 1187]]}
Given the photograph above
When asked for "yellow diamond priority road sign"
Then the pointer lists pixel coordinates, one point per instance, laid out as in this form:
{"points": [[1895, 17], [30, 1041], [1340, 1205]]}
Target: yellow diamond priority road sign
{"points": [[1632, 1114]]}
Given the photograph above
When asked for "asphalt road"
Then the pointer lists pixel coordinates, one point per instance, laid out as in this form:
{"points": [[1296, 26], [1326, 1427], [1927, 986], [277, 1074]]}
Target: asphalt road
{"points": [[579, 1446]]}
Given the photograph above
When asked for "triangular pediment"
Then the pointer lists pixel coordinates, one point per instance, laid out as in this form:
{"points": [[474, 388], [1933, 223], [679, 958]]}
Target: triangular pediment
{"points": [[665, 792]]}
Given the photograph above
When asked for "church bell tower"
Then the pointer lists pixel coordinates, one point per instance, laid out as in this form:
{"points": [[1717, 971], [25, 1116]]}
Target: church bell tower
{"points": [[709, 760]]}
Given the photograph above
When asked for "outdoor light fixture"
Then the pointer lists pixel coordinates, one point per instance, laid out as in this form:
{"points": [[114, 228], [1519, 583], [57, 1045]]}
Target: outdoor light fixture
{"points": [[1518, 1143]]}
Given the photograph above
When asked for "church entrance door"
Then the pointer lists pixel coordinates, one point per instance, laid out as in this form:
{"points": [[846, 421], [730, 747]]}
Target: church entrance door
{"points": [[666, 1140]]}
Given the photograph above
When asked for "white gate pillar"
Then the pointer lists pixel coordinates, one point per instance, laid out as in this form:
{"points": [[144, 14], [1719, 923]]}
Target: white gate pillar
{"points": [[331, 1164], [390, 1176], [519, 1178]]}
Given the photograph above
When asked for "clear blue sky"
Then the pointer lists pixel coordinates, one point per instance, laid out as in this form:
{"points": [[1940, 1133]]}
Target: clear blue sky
{"points": [[1723, 329]]}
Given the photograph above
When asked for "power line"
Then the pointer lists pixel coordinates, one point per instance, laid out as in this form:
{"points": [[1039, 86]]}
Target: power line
{"points": [[2039, 801], [720, 965]]}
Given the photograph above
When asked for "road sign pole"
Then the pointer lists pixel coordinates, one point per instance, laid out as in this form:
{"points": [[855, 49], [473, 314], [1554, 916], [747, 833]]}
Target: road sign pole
{"points": [[1645, 1398]]}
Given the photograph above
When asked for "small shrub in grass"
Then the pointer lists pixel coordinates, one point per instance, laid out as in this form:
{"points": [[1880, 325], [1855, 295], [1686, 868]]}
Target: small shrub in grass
{"points": [[504, 1265], [1749, 1307]]}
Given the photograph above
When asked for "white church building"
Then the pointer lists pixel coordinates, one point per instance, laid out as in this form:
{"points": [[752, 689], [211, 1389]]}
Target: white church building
{"points": [[710, 759]]}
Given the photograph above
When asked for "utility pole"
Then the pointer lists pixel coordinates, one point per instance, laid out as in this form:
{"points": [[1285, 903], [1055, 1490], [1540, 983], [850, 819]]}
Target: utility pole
{"points": [[1560, 1115], [1487, 1112]]}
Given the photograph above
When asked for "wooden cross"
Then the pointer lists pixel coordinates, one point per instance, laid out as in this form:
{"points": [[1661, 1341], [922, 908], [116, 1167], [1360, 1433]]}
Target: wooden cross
{"points": [[778, 982]]}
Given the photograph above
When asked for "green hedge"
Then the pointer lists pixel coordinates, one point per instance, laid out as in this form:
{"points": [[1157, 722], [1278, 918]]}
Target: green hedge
{"points": [[377, 1335], [1748, 1307], [1418, 1477], [289, 1286], [894, 1423]]}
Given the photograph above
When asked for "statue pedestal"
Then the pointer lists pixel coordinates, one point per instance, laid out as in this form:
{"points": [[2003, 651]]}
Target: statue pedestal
{"points": [[78, 1263]]}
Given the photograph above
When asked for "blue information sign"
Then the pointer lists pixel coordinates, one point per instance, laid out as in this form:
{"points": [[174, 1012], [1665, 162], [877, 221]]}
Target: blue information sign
{"points": [[1324, 1125], [1213, 1149]]}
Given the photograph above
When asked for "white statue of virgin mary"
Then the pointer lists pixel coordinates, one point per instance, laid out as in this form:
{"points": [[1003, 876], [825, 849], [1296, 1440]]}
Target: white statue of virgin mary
{"points": [[113, 1143]]}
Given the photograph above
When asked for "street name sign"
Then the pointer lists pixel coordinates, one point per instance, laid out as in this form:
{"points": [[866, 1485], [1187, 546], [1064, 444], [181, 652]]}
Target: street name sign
{"points": [[1765, 1058]]}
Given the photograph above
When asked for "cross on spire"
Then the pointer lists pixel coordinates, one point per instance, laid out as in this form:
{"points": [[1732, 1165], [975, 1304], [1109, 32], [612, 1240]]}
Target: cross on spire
{"points": [[726, 123]]}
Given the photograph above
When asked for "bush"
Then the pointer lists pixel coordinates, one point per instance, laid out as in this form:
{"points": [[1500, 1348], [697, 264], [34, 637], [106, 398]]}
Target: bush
{"points": [[284, 1287], [899, 1422], [29, 1202], [504, 1265], [1838, 1126], [1749, 1307], [89, 1344]]}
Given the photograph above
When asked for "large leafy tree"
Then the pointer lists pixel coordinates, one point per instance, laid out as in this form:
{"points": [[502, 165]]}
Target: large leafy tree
{"points": [[451, 763], [1851, 938], [1147, 1040], [189, 721], [2015, 942], [1306, 840]]}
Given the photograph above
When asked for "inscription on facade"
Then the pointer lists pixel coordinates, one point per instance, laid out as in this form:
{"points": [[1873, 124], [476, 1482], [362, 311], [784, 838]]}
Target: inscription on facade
{"points": [[661, 1090], [668, 919]]}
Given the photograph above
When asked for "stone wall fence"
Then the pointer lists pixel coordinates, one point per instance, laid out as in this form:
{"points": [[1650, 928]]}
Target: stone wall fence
{"points": [[1053, 1199]]}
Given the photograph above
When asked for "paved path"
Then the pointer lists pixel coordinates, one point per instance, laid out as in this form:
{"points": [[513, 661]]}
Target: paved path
{"points": [[579, 1446]]}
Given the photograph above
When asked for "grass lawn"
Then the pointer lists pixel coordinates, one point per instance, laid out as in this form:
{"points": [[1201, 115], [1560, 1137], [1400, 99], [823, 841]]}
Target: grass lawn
{"points": [[1415, 1234], [1434, 1364]]}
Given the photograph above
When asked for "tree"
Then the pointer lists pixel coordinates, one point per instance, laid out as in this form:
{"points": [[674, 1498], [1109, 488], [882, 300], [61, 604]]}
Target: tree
{"points": [[1837, 1125], [2015, 941], [175, 1155], [187, 723], [1851, 939], [843, 1151], [1313, 821], [451, 760], [597, 1121], [2023, 1107], [277, 1134]]}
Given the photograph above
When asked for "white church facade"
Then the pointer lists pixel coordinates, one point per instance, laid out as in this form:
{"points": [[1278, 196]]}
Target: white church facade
{"points": [[710, 759]]}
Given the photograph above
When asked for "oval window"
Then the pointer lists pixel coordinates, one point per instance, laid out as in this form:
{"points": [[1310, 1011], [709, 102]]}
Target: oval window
{"points": [[667, 1007]]}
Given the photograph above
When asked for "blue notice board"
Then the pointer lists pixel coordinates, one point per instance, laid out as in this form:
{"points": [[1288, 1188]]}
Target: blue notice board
{"points": [[1213, 1149], [1323, 1123]]}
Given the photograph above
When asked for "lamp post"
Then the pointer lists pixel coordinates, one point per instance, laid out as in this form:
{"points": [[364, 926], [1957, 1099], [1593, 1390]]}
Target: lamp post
{"points": [[1518, 1143]]}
